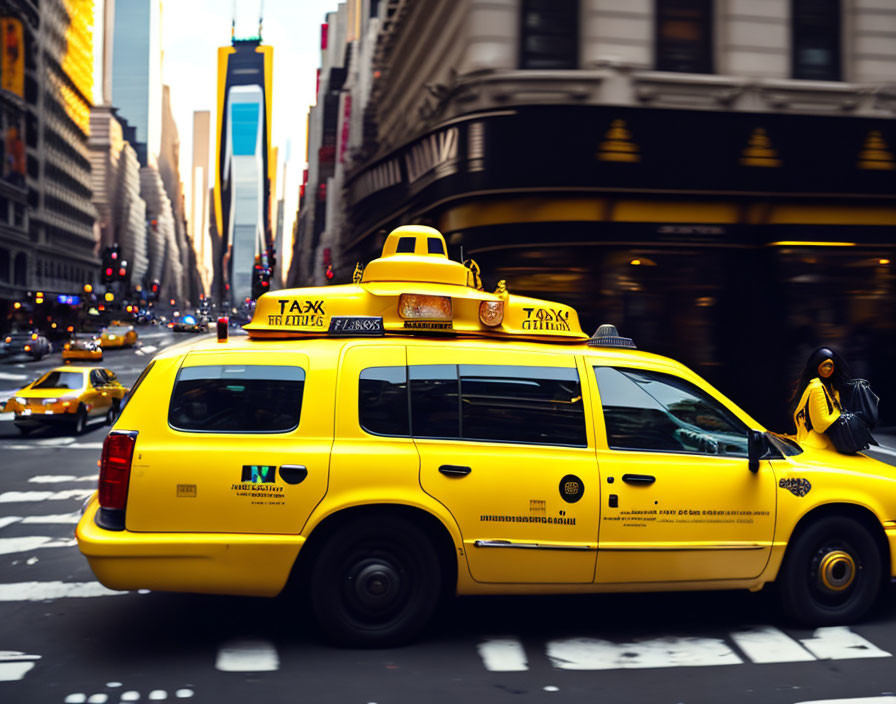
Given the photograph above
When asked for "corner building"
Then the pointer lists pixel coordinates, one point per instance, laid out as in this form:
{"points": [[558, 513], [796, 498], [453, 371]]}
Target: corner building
{"points": [[715, 177]]}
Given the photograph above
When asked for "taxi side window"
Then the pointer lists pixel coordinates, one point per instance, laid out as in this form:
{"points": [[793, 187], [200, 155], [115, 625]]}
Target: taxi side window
{"points": [[235, 398], [496, 403], [96, 379], [646, 410], [540, 405], [383, 401]]}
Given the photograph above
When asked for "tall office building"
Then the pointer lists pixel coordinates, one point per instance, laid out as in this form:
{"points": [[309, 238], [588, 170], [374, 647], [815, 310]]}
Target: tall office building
{"points": [[137, 75], [199, 197], [243, 172], [61, 223]]}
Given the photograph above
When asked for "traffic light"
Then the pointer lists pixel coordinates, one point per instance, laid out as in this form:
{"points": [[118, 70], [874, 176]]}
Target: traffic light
{"points": [[261, 281]]}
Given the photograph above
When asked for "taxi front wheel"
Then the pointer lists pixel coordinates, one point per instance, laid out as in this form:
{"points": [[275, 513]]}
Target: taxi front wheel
{"points": [[832, 573], [375, 583]]}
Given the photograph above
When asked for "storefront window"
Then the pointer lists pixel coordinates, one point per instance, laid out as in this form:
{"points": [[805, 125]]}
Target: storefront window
{"points": [[816, 40], [549, 38], [684, 36]]}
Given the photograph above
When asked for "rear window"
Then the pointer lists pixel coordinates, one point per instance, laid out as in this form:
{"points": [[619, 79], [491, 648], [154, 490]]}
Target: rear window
{"points": [[60, 380], [237, 398]]}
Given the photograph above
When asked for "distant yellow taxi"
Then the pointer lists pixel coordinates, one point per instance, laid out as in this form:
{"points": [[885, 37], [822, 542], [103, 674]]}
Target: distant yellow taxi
{"points": [[411, 434], [82, 347], [71, 396], [118, 336]]}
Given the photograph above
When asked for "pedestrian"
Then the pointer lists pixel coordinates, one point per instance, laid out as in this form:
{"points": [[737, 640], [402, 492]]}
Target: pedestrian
{"points": [[817, 406]]}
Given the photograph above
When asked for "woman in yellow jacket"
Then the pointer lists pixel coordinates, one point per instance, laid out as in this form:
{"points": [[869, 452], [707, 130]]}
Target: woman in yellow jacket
{"points": [[816, 400]]}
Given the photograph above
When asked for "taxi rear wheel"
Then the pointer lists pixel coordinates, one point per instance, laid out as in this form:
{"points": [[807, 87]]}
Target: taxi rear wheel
{"points": [[375, 583], [832, 573], [80, 421]]}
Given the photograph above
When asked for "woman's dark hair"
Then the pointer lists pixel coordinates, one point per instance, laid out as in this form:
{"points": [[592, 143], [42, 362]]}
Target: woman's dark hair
{"points": [[838, 380]]}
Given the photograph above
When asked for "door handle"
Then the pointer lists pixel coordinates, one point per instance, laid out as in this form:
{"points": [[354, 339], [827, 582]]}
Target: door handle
{"points": [[638, 478], [293, 473], [453, 470]]}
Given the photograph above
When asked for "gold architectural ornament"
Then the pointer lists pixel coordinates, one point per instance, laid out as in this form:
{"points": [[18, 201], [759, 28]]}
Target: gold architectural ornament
{"points": [[618, 144], [358, 273], [473, 278], [875, 154], [501, 290], [759, 150]]}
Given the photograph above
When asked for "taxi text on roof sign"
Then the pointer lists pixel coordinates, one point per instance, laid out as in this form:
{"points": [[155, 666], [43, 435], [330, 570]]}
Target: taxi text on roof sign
{"points": [[412, 288]]}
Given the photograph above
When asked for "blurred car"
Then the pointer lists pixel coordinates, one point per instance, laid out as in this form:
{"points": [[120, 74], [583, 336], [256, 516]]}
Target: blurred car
{"points": [[82, 348], [189, 323], [25, 344], [71, 396], [117, 335]]}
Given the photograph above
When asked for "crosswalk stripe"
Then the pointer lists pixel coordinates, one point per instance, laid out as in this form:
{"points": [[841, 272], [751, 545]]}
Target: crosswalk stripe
{"points": [[65, 518], [840, 643], [59, 478], [26, 543], [856, 700], [247, 656], [595, 654], [9, 520], [765, 644], [503, 655], [41, 591], [12, 497], [73, 446]]}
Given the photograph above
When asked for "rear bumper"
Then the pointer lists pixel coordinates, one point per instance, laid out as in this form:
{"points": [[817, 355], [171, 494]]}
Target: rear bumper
{"points": [[36, 419], [206, 563], [82, 354]]}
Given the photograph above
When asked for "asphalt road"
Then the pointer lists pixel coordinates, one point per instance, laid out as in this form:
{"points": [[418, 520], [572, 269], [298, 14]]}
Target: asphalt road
{"points": [[65, 638]]}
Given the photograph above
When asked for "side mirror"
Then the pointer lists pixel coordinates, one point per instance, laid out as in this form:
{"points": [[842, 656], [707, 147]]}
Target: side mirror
{"points": [[757, 446]]}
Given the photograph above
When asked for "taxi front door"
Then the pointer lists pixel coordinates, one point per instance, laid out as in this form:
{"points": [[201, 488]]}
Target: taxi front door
{"points": [[506, 448], [680, 503]]}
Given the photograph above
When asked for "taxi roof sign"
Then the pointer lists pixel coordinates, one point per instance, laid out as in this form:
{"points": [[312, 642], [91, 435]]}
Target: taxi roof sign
{"points": [[412, 288]]}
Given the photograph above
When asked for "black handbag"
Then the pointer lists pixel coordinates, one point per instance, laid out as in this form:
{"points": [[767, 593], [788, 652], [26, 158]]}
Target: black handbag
{"points": [[858, 398], [849, 433]]}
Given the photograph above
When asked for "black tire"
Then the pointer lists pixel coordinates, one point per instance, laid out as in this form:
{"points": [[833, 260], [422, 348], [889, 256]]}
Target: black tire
{"points": [[24, 429], [80, 421], [832, 573], [397, 567], [113, 412]]}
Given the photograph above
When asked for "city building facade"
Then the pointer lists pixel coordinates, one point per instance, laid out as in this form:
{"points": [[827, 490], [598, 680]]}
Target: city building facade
{"points": [[715, 177], [245, 167], [199, 201]]}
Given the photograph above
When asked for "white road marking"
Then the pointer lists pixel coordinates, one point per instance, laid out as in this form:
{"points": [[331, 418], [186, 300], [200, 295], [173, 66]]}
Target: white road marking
{"points": [[100, 698], [130, 696], [53, 442], [32, 542], [70, 518], [881, 449], [9, 520], [858, 700], [59, 478], [10, 497], [149, 349], [41, 591], [6, 376], [247, 656], [158, 695], [76, 698], [139, 353], [112, 685], [184, 693], [767, 644], [595, 654], [14, 665], [551, 688], [73, 446], [503, 655], [840, 643]]}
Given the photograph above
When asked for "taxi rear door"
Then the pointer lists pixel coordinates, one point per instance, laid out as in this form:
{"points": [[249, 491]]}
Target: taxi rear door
{"points": [[239, 443], [505, 447]]}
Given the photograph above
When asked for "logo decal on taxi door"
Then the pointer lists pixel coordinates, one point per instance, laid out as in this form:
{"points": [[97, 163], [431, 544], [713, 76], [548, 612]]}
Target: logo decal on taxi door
{"points": [[571, 488]]}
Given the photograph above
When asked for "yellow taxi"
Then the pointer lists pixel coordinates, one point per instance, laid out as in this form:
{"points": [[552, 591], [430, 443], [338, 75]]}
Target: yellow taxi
{"points": [[410, 435], [82, 347], [118, 335], [72, 396]]}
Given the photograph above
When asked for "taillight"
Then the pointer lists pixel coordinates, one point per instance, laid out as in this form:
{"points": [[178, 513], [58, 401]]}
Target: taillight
{"points": [[115, 468]]}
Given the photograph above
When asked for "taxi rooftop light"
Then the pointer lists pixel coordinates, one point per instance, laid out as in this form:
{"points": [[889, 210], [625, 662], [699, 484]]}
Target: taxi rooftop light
{"points": [[608, 336], [491, 313], [416, 306]]}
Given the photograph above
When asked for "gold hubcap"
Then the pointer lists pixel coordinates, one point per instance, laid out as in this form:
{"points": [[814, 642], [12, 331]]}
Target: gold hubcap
{"points": [[837, 571]]}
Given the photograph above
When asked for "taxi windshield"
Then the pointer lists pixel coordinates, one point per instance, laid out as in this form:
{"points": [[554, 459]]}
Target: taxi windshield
{"points": [[117, 329], [60, 380]]}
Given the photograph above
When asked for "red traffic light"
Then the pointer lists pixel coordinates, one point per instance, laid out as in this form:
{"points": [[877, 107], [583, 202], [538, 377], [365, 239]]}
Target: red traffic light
{"points": [[108, 271], [122, 272]]}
